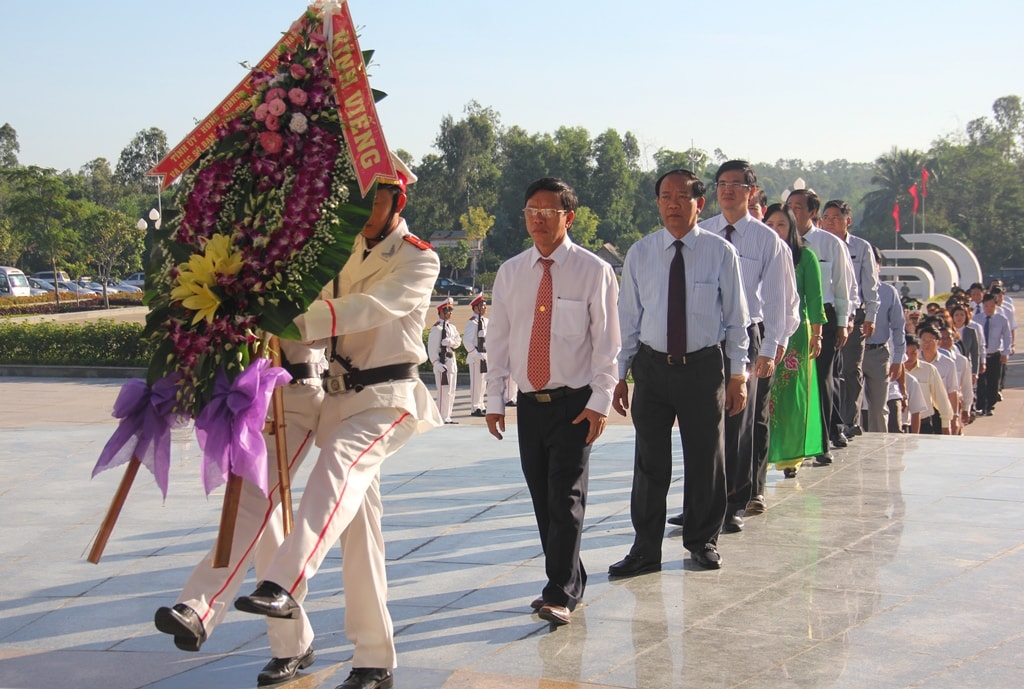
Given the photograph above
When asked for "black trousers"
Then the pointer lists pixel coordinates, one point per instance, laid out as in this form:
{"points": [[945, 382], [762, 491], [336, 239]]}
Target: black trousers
{"points": [[555, 461], [826, 364], [988, 382], [693, 395], [746, 433]]}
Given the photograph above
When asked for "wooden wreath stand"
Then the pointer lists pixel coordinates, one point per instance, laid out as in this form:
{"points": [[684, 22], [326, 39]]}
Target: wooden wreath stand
{"points": [[233, 492]]}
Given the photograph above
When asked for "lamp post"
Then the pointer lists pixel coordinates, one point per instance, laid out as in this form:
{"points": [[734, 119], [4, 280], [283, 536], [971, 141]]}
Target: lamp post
{"points": [[149, 225]]}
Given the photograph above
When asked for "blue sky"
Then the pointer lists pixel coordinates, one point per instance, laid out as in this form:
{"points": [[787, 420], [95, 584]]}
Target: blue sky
{"points": [[811, 80]]}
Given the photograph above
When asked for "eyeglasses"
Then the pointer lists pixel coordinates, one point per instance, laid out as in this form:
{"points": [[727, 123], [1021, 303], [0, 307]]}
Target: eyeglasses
{"points": [[546, 213], [731, 185]]}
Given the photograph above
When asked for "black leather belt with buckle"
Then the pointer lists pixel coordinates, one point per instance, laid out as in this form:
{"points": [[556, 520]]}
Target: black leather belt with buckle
{"points": [[545, 396], [688, 358]]}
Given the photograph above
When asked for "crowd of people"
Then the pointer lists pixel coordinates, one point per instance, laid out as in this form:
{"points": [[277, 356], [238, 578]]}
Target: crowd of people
{"points": [[763, 333]]}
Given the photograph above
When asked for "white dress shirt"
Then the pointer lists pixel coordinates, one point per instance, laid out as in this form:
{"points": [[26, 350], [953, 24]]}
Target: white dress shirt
{"points": [[769, 278], [716, 309], [927, 376], [865, 273], [584, 324], [836, 271]]}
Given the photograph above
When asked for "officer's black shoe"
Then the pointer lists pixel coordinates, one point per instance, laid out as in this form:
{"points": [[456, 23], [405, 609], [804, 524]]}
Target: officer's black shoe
{"points": [[269, 599], [368, 678], [184, 624], [283, 669]]}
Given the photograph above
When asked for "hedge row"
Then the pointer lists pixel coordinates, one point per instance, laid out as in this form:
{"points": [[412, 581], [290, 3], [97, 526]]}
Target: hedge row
{"points": [[43, 305], [96, 343]]}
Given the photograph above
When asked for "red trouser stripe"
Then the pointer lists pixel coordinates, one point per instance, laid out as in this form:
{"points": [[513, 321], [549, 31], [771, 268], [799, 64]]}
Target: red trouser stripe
{"points": [[266, 518], [341, 496]]}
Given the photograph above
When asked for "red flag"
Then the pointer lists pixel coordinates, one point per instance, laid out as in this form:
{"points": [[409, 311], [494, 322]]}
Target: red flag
{"points": [[924, 182], [896, 214], [913, 192]]}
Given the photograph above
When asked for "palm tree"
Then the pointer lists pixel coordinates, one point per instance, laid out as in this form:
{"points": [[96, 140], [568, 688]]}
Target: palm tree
{"points": [[894, 173]]}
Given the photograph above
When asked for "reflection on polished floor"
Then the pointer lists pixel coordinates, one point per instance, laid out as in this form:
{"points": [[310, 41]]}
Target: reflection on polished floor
{"points": [[899, 566]]}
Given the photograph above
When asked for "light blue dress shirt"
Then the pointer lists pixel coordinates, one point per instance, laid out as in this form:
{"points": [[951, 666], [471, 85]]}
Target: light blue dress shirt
{"points": [[716, 308]]}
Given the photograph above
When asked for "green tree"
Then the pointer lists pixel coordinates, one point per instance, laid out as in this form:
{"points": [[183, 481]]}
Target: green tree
{"points": [[455, 257], [584, 229], [612, 187], [894, 173], [476, 223], [147, 148], [9, 146], [40, 211], [112, 242]]}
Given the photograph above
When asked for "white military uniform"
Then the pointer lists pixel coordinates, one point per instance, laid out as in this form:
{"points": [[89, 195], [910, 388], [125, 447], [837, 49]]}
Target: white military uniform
{"points": [[475, 339], [259, 531], [377, 317], [442, 342]]}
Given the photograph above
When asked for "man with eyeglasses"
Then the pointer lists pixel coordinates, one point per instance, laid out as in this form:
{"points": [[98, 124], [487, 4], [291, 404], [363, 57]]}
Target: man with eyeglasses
{"points": [[837, 217], [836, 288], [769, 285], [681, 289], [442, 342], [554, 328]]}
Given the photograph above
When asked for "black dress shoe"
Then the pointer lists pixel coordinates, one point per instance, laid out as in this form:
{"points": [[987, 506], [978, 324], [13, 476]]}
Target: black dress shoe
{"points": [[478, 412], [368, 678], [733, 523], [839, 441], [269, 599], [823, 460], [676, 520], [184, 624], [633, 565], [283, 669], [707, 557]]}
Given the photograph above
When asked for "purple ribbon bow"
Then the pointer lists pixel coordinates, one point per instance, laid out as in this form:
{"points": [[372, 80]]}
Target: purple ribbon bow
{"points": [[230, 427], [147, 416]]}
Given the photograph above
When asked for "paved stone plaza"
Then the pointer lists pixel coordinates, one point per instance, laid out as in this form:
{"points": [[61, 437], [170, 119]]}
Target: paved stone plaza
{"points": [[899, 566]]}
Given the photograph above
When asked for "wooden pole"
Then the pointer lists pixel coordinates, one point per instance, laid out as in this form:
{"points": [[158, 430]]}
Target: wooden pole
{"points": [[281, 443], [228, 517], [107, 527]]}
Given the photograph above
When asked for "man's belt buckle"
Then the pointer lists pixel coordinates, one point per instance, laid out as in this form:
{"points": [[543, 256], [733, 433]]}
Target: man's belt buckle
{"points": [[542, 397], [673, 362]]}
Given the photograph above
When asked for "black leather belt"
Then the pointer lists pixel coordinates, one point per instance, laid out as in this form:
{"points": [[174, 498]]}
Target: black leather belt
{"points": [[302, 371], [360, 378], [545, 396], [877, 346], [688, 358]]}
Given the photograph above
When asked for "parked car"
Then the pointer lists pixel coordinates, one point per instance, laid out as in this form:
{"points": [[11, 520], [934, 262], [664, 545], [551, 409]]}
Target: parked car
{"points": [[74, 288], [136, 280], [452, 288], [48, 275], [13, 283], [96, 287], [122, 286], [1013, 278]]}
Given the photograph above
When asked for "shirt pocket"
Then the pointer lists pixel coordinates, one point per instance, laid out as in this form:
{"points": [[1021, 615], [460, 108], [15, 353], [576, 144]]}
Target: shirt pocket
{"points": [[569, 319], [704, 298]]}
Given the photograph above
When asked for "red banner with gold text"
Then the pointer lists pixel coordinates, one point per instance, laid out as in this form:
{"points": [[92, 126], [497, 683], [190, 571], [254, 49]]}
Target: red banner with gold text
{"points": [[205, 133], [363, 133]]}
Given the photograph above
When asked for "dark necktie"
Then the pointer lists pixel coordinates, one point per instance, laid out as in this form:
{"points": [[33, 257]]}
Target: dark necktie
{"points": [[677, 304], [986, 329], [729, 229]]}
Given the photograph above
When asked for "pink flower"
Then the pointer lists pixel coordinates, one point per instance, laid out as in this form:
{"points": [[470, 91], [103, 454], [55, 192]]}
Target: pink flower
{"points": [[297, 96], [271, 142], [261, 112], [277, 107], [275, 94], [792, 363], [273, 123], [298, 71]]}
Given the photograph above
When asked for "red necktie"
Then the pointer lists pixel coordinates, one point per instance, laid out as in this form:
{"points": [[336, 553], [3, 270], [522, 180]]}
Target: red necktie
{"points": [[677, 304], [538, 362]]}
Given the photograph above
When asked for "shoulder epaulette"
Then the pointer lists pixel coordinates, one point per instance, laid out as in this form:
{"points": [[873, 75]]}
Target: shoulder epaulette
{"points": [[420, 244]]}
